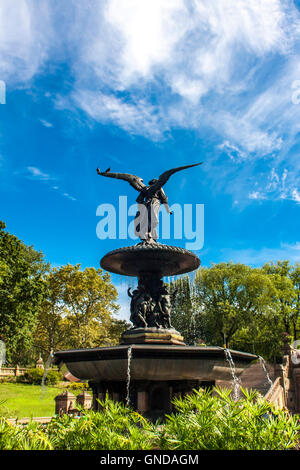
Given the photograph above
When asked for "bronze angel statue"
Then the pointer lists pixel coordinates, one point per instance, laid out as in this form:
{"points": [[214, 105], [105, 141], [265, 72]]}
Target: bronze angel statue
{"points": [[150, 198]]}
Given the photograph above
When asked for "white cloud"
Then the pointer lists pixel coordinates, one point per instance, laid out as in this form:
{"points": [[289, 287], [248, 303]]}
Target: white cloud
{"points": [[46, 123], [137, 118], [26, 36], [37, 173], [256, 195], [279, 185], [209, 65], [68, 196], [148, 32], [296, 196], [233, 151], [198, 57]]}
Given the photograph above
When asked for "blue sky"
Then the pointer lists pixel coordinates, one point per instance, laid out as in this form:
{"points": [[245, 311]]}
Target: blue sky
{"points": [[143, 87]]}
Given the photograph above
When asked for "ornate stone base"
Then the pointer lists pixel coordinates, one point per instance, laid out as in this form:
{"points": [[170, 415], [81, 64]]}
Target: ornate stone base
{"points": [[152, 335]]}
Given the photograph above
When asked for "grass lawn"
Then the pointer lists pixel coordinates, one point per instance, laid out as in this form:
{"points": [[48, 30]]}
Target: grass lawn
{"points": [[26, 401]]}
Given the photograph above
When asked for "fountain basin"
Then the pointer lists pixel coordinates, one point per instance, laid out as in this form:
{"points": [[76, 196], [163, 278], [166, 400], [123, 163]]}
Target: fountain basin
{"points": [[155, 258], [151, 362]]}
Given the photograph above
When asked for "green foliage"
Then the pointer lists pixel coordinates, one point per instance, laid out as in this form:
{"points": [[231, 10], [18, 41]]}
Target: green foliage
{"points": [[246, 308], [207, 421], [9, 379], [286, 279], [228, 297], [35, 376], [114, 428], [21, 294], [18, 437], [114, 333], [203, 421], [77, 311], [77, 386]]}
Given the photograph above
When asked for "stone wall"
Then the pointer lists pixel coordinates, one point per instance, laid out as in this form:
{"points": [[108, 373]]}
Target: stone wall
{"points": [[12, 371]]}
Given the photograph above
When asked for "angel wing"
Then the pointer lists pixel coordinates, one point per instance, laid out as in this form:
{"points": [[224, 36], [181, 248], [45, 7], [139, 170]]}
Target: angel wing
{"points": [[135, 181], [165, 176]]}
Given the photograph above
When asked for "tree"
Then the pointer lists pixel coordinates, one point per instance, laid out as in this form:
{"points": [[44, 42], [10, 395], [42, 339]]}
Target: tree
{"points": [[295, 317], [78, 309], [229, 297], [116, 328], [262, 336], [287, 282], [21, 294], [51, 331]]}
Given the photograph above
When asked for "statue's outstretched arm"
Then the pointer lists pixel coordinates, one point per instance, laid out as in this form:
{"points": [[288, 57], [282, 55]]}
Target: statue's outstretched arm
{"points": [[164, 200], [167, 208]]}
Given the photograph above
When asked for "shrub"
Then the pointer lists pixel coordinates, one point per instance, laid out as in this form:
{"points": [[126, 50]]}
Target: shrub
{"points": [[77, 386], [116, 427], [18, 437], [35, 376], [53, 377], [209, 420], [204, 420], [9, 379]]}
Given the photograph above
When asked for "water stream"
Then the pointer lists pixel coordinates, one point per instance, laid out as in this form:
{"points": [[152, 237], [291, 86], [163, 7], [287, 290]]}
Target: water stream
{"points": [[2, 353], [263, 365], [193, 326], [235, 379], [129, 356], [46, 370]]}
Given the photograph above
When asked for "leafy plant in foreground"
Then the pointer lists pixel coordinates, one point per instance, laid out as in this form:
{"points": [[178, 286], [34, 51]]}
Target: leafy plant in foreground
{"points": [[18, 437], [204, 420], [116, 427], [213, 420]]}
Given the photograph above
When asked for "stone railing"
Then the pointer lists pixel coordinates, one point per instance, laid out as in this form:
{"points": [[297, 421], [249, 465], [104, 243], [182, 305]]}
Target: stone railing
{"points": [[12, 371], [42, 420], [276, 394]]}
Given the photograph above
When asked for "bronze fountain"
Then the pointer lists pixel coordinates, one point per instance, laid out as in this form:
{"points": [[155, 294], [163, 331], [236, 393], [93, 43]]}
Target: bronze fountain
{"points": [[152, 364]]}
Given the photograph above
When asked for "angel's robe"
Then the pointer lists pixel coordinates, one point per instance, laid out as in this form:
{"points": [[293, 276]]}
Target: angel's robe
{"points": [[147, 217]]}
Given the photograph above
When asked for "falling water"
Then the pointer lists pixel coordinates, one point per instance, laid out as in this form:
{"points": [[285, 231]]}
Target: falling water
{"points": [[236, 382], [129, 354], [2, 353], [46, 370], [192, 325], [263, 365], [192, 277]]}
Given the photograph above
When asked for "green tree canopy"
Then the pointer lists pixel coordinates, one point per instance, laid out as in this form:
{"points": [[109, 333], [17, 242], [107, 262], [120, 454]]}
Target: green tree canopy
{"points": [[78, 310], [286, 279], [229, 296], [21, 293]]}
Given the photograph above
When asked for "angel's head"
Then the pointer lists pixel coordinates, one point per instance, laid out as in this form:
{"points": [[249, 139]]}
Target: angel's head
{"points": [[154, 180]]}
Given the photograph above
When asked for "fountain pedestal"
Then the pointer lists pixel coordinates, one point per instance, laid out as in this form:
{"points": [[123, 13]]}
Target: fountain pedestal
{"points": [[151, 301], [152, 336]]}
